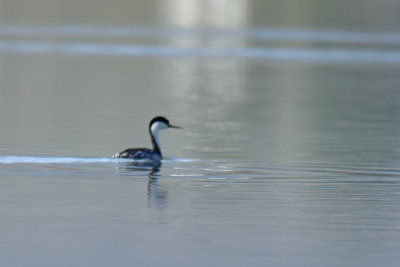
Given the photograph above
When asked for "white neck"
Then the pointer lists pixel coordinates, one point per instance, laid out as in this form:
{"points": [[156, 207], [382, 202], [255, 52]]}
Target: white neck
{"points": [[155, 132], [155, 129]]}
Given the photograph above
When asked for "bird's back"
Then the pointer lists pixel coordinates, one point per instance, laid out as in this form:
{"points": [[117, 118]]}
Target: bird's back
{"points": [[138, 154]]}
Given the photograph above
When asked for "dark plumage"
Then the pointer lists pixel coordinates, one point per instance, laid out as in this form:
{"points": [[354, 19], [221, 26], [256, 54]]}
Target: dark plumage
{"points": [[138, 154]]}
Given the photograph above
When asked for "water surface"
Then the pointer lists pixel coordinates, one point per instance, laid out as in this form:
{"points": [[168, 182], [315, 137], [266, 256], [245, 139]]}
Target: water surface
{"points": [[289, 155]]}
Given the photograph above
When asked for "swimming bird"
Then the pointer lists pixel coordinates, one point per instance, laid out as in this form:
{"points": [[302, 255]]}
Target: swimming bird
{"points": [[156, 124]]}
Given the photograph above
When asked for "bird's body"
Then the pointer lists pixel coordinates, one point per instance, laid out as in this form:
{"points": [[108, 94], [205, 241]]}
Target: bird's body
{"points": [[138, 154], [147, 154]]}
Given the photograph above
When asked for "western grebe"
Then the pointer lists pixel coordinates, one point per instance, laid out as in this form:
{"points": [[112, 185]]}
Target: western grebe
{"points": [[156, 124]]}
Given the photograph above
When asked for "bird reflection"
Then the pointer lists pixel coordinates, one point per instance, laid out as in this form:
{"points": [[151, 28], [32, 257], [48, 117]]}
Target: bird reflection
{"points": [[153, 168], [157, 196]]}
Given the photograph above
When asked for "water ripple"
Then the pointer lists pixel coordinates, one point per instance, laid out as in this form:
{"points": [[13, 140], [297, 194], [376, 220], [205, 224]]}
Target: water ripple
{"points": [[33, 159], [27, 159], [266, 34], [311, 55]]}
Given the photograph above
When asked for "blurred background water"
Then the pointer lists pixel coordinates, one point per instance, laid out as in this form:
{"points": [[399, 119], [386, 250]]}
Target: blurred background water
{"points": [[290, 151]]}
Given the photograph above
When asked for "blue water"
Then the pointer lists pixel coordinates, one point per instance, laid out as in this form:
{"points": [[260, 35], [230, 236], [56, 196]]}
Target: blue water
{"points": [[44, 160], [326, 55], [100, 211], [271, 34], [289, 156], [39, 160]]}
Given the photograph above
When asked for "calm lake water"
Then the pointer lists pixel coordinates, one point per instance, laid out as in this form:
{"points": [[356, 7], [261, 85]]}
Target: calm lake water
{"points": [[289, 154]]}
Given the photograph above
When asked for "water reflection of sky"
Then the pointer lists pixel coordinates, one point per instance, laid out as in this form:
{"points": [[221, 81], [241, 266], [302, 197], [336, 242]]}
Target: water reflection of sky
{"points": [[230, 33], [297, 136]]}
